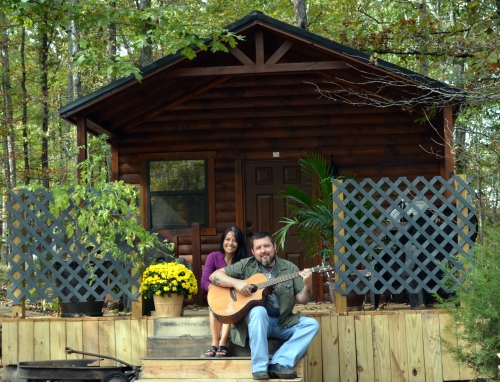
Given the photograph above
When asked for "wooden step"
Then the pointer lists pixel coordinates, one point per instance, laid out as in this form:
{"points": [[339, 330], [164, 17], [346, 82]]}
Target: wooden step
{"points": [[187, 346], [227, 369], [181, 326], [219, 380]]}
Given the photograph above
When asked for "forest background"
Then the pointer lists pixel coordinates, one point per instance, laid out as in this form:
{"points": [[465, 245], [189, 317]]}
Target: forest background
{"points": [[53, 52]]}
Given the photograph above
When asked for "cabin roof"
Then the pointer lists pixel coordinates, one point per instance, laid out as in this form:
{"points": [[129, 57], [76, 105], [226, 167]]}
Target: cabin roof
{"points": [[86, 103]]}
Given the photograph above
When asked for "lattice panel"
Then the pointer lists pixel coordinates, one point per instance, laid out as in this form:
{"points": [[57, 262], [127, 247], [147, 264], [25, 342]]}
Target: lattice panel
{"points": [[45, 263], [391, 236]]}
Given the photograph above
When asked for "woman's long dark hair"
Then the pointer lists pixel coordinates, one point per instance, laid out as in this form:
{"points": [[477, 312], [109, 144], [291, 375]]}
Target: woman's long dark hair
{"points": [[241, 253]]}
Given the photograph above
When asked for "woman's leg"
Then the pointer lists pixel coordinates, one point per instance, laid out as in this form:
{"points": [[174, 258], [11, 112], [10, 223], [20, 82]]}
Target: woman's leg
{"points": [[215, 327], [224, 337]]}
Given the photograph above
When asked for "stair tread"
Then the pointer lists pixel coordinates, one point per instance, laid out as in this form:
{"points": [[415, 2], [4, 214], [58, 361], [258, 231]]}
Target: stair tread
{"points": [[190, 358], [230, 369], [212, 379]]}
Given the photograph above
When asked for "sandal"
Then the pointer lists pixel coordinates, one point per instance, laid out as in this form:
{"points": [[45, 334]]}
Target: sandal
{"points": [[222, 352], [211, 352]]}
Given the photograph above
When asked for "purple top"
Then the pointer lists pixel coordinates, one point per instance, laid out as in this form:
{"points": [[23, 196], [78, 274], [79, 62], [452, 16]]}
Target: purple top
{"points": [[214, 261]]}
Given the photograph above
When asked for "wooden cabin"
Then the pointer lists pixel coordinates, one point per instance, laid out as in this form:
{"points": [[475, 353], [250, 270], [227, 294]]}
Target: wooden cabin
{"points": [[231, 126]]}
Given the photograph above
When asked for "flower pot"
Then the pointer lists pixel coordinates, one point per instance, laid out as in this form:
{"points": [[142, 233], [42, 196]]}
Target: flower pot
{"points": [[168, 306]]}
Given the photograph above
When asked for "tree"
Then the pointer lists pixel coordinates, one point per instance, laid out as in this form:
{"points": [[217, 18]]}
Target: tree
{"points": [[477, 297]]}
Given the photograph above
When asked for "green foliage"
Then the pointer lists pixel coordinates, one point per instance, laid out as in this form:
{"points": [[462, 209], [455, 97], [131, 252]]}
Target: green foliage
{"points": [[311, 215], [477, 342], [456, 42], [4, 279], [106, 212]]}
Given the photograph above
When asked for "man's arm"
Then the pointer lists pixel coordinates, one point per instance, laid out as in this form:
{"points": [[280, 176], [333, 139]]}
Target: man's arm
{"points": [[305, 295], [220, 278]]}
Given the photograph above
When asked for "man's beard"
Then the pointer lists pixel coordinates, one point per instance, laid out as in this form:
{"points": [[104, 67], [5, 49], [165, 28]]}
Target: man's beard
{"points": [[268, 261]]}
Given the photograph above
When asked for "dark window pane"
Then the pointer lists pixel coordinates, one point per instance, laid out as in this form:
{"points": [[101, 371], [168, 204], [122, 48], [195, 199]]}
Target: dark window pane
{"points": [[177, 211], [177, 175]]}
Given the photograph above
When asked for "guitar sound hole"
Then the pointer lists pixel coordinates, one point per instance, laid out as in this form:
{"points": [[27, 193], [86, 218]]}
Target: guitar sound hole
{"points": [[233, 295]]}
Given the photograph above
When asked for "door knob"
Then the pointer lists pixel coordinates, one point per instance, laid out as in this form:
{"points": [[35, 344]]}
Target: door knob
{"points": [[249, 233], [248, 224]]}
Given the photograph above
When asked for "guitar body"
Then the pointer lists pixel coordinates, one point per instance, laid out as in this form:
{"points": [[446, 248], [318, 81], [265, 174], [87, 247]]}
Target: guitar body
{"points": [[229, 306]]}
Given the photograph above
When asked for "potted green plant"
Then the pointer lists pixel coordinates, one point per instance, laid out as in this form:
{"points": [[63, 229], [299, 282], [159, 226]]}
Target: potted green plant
{"points": [[311, 214]]}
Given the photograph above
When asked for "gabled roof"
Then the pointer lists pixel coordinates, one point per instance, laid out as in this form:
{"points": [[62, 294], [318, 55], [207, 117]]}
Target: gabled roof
{"points": [[442, 90]]}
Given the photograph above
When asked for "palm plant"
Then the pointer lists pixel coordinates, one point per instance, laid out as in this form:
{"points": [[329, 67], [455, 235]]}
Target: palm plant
{"points": [[311, 213]]}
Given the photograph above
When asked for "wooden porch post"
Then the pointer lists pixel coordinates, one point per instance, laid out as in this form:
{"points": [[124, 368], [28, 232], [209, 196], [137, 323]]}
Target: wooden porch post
{"points": [[18, 310], [81, 142], [196, 253], [114, 160], [340, 299], [138, 306], [448, 161]]}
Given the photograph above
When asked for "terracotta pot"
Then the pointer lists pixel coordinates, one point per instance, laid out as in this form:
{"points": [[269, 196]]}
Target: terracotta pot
{"points": [[168, 306]]}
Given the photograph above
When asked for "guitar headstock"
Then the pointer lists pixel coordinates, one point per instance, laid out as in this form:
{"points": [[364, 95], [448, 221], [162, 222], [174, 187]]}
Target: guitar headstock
{"points": [[322, 269]]}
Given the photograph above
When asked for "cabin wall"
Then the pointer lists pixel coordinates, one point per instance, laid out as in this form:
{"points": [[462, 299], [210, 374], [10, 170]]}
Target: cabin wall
{"points": [[261, 115]]}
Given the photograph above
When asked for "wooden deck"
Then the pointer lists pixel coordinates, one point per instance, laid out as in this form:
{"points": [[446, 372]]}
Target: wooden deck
{"points": [[385, 346]]}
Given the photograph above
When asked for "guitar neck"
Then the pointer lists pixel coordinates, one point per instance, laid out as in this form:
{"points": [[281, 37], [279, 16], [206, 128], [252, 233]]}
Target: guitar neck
{"points": [[281, 279]]}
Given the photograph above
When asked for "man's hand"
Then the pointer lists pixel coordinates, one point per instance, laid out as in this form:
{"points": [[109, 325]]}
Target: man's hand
{"points": [[306, 276], [244, 288], [305, 295]]}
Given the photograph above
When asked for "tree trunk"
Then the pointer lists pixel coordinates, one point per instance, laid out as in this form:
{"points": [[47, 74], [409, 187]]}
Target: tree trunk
{"points": [[299, 7], [112, 44], [424, 63], [75, 90], [7, 120], [25, 110], [460, 131], [146, 56], [43, 56], [6, 127]]}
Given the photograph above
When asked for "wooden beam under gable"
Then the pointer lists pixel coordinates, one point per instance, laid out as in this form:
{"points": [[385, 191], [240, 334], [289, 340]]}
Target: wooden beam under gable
{"points": [[259, 47], [259, 69], [280, 52], [96, 129], [241, 56]]}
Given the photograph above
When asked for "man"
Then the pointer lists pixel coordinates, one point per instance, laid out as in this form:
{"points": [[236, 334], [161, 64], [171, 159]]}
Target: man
{"points": [[275, 319]]}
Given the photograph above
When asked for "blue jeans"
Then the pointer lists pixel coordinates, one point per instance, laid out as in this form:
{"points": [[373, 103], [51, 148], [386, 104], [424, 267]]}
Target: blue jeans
{"points": [[261, 327]]}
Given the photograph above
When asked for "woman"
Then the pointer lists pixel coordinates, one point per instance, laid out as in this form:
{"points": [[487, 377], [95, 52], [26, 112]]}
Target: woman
{"points": [[232, 250]]}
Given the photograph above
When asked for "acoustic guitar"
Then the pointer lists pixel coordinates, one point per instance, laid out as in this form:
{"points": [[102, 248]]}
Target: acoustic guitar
{"points": [[229, 306]]}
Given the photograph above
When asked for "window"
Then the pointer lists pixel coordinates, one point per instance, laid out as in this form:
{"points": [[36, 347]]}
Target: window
{"points": [[178, 193]]}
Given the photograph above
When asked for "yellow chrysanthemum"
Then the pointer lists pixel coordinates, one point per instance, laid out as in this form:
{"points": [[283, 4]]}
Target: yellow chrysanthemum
{"points": [[165, 278]]}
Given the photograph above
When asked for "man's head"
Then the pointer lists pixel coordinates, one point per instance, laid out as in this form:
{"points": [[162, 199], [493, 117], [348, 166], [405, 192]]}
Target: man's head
{"points": [[263, 248]]}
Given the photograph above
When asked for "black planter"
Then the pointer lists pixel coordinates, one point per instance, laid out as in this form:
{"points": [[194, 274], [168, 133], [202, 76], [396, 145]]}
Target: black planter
{"points": [[74, 307], [82, 308]]}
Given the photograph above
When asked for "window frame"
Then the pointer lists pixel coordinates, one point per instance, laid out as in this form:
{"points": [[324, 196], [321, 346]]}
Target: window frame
{"points": [[209, 156]]}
